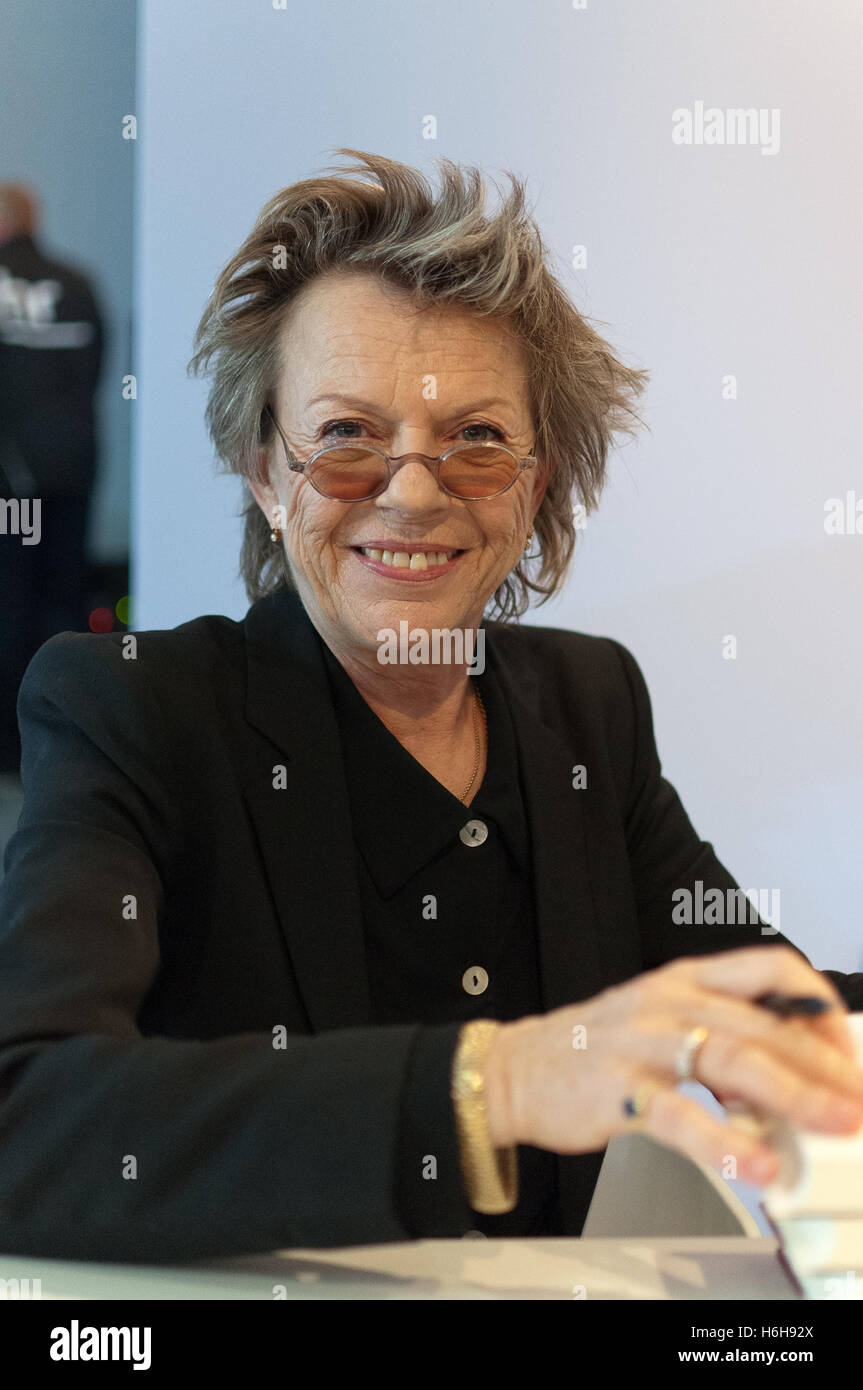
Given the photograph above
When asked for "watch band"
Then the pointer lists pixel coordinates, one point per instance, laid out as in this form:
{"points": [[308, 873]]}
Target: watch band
{"points": [[490, 1174]]}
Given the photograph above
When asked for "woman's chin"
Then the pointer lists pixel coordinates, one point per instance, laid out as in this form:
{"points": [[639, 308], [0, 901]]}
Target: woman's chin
{"points": [[394, 629]]}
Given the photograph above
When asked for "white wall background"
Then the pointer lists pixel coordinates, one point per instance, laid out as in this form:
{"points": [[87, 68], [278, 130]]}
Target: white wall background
{"points": [[702, 261]]}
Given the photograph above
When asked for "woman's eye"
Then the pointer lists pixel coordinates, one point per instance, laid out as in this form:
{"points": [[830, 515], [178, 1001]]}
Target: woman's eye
{"points": [[350, 429], [492, 429], [335, 425]]}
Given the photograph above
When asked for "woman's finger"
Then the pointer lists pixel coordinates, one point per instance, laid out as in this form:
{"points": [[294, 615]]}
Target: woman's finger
{"points": [[657, 1040], [833, 1028], [803, 1047], [678, 1121], [767, 1084], [754, 970]]}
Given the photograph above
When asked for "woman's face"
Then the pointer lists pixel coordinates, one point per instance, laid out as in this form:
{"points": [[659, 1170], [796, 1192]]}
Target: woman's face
{"points": [[359, 362]]}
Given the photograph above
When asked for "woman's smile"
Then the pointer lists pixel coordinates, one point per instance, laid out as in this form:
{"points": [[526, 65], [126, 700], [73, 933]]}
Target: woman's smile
{"points": [[414, 564]]}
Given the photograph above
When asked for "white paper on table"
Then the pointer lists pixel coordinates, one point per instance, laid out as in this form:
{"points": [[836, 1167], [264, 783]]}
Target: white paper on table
{"points": [[816, 1203], [822, 1174]]}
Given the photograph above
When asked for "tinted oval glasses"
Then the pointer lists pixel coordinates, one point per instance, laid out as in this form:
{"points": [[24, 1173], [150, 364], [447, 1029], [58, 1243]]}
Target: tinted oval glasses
{"points": [[358, 472]]}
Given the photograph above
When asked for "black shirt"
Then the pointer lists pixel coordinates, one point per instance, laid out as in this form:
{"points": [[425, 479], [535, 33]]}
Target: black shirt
{"points": [[448, 917]]}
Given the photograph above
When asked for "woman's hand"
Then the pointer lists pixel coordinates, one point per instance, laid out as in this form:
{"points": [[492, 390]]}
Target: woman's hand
{"points": [[559, 1080]]}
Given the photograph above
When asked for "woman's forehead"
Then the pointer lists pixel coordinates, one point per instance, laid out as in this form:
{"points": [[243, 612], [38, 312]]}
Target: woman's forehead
{"points": [[345, 332], [344, 305]]}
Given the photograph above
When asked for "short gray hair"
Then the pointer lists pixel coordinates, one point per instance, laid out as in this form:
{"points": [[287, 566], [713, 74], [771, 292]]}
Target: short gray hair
{"points": [[443, 248]]}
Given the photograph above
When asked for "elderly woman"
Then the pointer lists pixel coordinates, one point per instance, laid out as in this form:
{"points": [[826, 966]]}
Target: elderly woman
{"points": [[306, 946]]}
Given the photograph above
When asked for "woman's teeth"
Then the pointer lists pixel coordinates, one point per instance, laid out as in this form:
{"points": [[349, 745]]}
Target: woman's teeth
{"points": [[419, 560]]}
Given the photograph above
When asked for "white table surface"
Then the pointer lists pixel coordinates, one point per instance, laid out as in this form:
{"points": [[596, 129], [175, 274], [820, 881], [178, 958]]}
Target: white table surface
{"points": [[718, 1267]]}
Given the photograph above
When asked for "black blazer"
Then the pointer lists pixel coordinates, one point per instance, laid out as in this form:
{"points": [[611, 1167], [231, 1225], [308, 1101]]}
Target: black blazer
{"points": [[166, 907]]}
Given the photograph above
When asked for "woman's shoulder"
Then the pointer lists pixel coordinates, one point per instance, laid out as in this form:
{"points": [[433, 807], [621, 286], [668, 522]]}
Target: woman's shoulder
{"points": [[137, 677], [196, 644], [591, 680], [581, 655]]}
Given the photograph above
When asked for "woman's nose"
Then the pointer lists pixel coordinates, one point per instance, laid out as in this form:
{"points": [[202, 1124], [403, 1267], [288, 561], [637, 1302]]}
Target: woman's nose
{"points": [[413, 484]]}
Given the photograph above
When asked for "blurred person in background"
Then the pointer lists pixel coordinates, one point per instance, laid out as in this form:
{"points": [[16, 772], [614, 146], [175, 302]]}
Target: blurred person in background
{"points": [[51, 343]]}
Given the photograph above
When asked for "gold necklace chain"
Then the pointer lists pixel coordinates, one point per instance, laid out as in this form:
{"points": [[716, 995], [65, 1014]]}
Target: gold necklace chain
{"points": [[478, 709]]}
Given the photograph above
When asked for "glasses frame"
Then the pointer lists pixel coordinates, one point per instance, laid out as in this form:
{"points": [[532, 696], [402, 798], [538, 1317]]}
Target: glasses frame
{"points": [[394, 462]]}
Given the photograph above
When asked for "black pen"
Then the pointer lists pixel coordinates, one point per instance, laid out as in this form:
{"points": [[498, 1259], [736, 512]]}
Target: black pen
{"points": [[793, 1005]]}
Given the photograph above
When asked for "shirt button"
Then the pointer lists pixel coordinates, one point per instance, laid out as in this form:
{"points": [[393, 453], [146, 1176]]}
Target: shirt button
{"points": [[474, 833], [475, 980]]}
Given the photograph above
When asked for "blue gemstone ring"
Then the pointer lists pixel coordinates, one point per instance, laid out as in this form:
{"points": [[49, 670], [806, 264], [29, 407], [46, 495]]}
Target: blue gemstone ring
{"points": [[635, 1106]]}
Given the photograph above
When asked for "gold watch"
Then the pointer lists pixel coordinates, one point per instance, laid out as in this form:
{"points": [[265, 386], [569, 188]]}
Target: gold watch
{"points": [[490, 1174]]}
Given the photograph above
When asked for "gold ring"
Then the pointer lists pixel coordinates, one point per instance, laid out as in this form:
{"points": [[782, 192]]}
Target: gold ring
{"points": [[685, 1061]]}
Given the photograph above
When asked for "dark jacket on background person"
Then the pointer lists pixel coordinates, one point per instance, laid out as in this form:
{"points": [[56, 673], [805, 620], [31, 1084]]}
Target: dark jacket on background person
{"points": [[51, 340], [190, 1064]]}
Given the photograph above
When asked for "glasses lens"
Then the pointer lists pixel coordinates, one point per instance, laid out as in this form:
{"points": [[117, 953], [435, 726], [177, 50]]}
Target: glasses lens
{"points": [[478, 472], [348, 474]]}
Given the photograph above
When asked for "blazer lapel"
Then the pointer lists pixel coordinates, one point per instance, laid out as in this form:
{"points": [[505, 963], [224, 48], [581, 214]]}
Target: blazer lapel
{"points": [[569, 958], [571, 964], [304, 829]]}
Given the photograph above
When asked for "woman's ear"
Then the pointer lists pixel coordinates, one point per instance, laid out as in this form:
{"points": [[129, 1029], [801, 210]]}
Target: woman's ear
{"points": [[540, 487], [264, 493]]}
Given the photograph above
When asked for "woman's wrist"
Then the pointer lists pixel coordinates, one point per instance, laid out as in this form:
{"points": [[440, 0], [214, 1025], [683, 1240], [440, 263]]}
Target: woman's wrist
{"points": [[497, 1091], [500, 1085]]}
